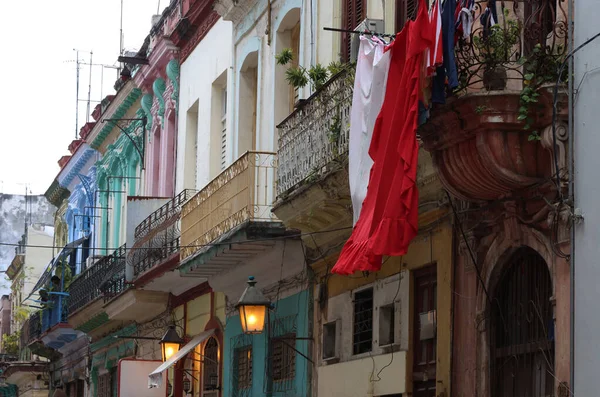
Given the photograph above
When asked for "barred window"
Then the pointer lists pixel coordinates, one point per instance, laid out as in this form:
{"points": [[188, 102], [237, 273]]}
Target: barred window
{"points": [[363, 322], [284, 358], [104, 385], [243, 360]]}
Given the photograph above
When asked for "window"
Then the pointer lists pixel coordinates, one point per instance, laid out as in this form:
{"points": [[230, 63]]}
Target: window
{"points": [[330, 340], [405, 10], [104, 385], [424, 341], [210, 368], [363, 322], [295, 35], [522, 330], [353, 13], [386, 325], [284, 358], [243, 367], [224, 128]]}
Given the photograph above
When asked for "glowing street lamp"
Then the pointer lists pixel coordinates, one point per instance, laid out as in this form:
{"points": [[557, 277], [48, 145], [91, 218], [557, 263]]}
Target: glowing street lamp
{"points": [[253, 308], [170, 343]]}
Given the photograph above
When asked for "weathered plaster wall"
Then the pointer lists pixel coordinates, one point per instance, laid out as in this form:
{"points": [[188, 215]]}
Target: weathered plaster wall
{"points": [[210, 60], [429, 247]]}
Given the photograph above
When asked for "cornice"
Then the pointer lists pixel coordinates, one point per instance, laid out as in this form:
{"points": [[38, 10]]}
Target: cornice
{"points": [[234, 10], [117, 109], [56, 194], [81, 157], [193, 26]]}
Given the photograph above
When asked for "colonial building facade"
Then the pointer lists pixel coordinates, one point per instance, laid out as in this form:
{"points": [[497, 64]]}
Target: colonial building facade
{"points": [[223, 154]]}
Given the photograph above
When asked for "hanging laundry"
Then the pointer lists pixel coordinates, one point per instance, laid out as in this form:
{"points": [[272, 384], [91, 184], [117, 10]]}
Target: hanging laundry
{"points": [[464, 19], [370, 80], [448, 70], [389, 216], [489, 18], [434, 55]]}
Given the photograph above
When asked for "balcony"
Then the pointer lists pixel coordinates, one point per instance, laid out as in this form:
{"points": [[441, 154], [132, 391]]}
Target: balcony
{"points": [[234, 206], [312, 176], [95, 286], [157, 239], [493, 140]]}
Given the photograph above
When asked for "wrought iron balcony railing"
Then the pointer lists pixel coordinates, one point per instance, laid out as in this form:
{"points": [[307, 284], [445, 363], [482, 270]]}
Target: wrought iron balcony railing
{"points": [[242, 192], [163, 214], [158, 236], [34, 327], [525, 45], [315, 134], [107, 276]]}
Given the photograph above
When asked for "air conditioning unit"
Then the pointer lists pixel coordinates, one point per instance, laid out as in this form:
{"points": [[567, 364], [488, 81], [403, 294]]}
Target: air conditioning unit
{"points": [[372, 25]]}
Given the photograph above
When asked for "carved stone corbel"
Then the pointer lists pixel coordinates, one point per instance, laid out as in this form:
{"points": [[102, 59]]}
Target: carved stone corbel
{"points": [[547, 142]]}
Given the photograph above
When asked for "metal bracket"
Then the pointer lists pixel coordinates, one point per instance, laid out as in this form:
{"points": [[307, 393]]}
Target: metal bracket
{"points": [[144, 120]]}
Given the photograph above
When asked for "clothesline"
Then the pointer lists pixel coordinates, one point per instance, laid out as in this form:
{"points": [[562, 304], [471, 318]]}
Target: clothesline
{"points": [[366, 31]]}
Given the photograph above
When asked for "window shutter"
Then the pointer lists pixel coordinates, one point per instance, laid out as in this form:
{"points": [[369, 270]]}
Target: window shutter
{"points": [[405, 10], [354, 12]]}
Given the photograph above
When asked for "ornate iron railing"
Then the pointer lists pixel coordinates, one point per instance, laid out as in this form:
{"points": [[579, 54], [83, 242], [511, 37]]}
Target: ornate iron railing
{"points": [[103, 276], [163, 214], [242, 192], [113, 283], [34, 327], [527, 42], [315, 134]]}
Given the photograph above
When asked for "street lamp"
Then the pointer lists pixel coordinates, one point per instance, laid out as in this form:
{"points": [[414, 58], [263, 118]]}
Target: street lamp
{"points": [[170, 343], [253, 307]]}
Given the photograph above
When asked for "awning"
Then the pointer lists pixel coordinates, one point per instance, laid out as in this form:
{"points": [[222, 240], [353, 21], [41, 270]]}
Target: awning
{"points": [[64, 252], [155, 378]]}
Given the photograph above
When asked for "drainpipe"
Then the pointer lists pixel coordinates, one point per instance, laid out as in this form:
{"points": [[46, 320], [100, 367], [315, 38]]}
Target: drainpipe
{"points": [[571, 196]]}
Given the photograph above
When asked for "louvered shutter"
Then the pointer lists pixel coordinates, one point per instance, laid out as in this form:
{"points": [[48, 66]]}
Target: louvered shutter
{"points": [[354, 12], [405, 10]]}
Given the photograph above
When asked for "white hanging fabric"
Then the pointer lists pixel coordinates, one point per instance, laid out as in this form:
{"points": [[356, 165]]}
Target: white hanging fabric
{"points": [[370, 81]]}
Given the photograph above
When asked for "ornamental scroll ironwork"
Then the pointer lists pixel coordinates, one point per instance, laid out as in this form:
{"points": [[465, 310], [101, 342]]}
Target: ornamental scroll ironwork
{"points": [[529, 38], [105, 276], [242, 192], [158, 236], [316, 134]]}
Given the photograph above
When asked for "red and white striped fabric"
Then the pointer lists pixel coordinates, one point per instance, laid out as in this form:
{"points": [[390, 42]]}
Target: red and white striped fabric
{"points": [[435, 54]]}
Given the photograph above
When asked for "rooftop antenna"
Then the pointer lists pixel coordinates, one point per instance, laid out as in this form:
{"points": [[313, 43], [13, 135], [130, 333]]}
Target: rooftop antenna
{"points": [[121, 38], [77, 96], [87, 116]]}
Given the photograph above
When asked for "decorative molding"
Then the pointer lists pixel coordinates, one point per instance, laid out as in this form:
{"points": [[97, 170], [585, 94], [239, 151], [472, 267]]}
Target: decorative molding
{"points": [[120, 112], [146, 104], [159, 86], [172, 70]]}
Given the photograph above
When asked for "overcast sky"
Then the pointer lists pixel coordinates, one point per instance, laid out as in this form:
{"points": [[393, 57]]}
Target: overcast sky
{"points": [[37, 105]]}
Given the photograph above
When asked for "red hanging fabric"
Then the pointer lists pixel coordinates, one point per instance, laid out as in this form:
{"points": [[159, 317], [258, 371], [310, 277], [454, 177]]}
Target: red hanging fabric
{"points": [[389, 217]]}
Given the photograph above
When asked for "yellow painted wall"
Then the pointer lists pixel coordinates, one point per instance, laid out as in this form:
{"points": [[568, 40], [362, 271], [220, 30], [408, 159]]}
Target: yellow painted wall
{"points": [[429, 247], [198, 314]]}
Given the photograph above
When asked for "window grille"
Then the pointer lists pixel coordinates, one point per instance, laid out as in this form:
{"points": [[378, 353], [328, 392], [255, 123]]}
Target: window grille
{"points": [[363, 322]]}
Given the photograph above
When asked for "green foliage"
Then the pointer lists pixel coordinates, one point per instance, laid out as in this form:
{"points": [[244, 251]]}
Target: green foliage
{"points": [[10, 343], [299, 77], [499, 45], [539, 68]]}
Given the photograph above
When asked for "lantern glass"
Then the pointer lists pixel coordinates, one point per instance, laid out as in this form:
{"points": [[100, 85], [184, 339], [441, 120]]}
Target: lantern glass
{"points": [[252, 318], [169, 349], [170, 343], [187, 384]]}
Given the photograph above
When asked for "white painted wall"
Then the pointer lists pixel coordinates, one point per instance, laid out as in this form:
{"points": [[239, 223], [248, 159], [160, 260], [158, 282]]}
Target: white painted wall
{"points": [[358, 378], [210, 59], [36, 257], [587, 192]]}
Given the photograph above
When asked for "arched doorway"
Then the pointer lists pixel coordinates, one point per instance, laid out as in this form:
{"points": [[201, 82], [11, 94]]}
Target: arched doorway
{"points": [[210, 368], [522, 329]]}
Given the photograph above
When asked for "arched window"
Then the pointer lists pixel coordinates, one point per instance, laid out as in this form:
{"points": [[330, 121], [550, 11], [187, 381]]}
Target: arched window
{"points": [[522, 333], [210, 368]]}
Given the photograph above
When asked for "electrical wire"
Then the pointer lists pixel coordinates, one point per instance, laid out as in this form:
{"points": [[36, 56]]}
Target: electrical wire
{"points": [[248, 241]]}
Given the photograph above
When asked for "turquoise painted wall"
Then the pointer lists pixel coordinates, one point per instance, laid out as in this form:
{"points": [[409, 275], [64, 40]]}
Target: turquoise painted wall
{"points": [[293, 309]]}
